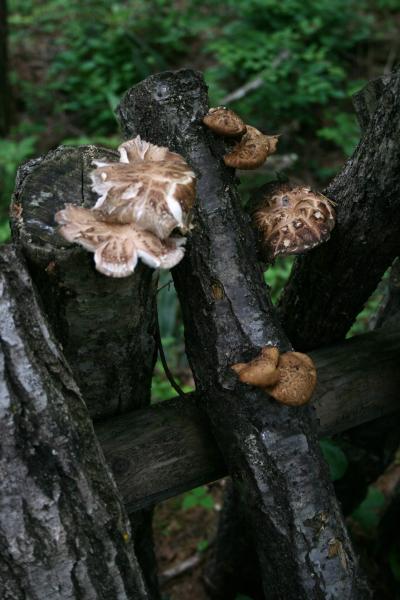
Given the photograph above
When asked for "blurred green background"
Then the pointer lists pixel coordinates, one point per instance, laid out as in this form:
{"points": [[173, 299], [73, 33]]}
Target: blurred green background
{"points": [[291, 66]]}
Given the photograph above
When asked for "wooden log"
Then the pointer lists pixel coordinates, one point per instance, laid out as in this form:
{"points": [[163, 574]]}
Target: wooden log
{"points": [[162, 451], [64, 532], [271, 451], [329, 285], [106, 326]]}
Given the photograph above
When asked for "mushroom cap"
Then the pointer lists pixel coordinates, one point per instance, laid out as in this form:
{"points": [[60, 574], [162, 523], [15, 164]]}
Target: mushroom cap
{"points": [[297, 379], [252, 150], [224, 122], [292, 220], [117, 247], [262, 370], [150, 186]]}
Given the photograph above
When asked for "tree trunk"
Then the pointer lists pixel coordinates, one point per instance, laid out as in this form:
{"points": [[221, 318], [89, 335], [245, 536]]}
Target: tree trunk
{"points": [[105, 326], [330, 285], [64, 533], [271, 450]]}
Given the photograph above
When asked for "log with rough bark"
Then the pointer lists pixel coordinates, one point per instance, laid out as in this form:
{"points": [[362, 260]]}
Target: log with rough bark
{"points": [[271, 450], [105, 326], [164, 450], [329, 286], [64, 533]]}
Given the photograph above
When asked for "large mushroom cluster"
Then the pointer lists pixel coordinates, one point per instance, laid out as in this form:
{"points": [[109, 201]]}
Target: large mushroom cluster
{"points": [[143, 199]]}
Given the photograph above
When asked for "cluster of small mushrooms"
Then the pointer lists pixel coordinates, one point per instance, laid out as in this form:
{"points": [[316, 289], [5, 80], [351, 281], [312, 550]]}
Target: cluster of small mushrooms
{"points": [[289, 220], [143, 198], [289, 377]]}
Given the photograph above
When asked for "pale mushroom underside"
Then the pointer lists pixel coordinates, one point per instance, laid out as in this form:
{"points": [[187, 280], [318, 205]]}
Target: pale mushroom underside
{"points": [[117, 247]]}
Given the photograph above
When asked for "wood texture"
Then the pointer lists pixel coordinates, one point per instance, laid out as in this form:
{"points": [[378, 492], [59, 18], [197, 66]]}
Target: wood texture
{"points": [[329, 286], [271, 451], [63, 529], [164, 450], [106, 326]]}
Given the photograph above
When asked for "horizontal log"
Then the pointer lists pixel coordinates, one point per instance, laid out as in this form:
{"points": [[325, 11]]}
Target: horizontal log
{"points": [[162, 451]]}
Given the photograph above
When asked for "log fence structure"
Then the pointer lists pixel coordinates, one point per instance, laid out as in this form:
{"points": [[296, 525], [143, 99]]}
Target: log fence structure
{"points": [[84, 456]]}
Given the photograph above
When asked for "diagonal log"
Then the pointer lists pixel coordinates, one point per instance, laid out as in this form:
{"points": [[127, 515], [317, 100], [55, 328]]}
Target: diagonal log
{"points": [[330, 285], [271, 451], [63, 529]]}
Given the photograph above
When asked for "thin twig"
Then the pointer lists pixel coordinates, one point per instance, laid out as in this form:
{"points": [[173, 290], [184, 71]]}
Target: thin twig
{"points": [[164, 363]]}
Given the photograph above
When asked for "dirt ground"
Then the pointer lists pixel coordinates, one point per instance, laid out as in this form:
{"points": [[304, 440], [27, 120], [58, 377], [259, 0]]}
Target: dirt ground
{"points": [[183, 533]]}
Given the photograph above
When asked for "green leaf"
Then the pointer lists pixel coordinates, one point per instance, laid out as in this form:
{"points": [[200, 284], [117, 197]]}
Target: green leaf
{"points": [[335, 457], [202, 545], [368, 513]]}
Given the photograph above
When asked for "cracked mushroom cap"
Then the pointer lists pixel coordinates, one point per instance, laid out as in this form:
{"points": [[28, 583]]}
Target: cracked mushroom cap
{"points": [[297, 379], [292, 220], [224, 122], [262, 370], [150, 186], [252, 150], [117, 247]]}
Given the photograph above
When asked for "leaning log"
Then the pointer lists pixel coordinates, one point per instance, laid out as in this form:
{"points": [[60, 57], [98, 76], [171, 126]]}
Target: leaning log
{"points": [[330, 285], [271, 451], [63, 529]]}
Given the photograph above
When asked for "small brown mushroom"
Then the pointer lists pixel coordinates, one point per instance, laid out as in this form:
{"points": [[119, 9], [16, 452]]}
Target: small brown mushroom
{"points": [[224, 122], [262, 370], [291, 220], [297, 379], [252, 150]]}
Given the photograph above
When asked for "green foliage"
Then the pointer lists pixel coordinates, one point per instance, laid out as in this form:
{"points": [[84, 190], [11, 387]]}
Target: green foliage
{"points": [[12, 154], [299, 49], [277, 275], [367, 514], [335, 457], [202, 545], [198, 497], [343, 132]]}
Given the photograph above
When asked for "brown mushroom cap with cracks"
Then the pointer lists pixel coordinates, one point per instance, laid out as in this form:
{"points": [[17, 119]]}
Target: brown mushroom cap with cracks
{"points": [[291, 220], [262, 370], [224, 122], [297, 379], [117, 247], [252, 150], [150, 186]]}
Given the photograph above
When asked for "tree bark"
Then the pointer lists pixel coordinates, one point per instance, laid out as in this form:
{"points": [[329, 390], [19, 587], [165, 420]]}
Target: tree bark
{"points": [[330, 285], [271, 451], [63, 530], [105, 326]]}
